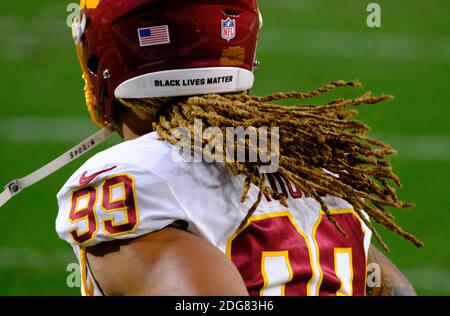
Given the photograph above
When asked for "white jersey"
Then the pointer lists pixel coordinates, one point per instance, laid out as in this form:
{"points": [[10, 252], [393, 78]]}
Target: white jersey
{"points": [[137, 187]]}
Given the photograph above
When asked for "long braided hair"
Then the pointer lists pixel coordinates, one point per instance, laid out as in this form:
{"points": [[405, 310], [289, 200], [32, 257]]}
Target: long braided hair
{"points": [[322, 149]]}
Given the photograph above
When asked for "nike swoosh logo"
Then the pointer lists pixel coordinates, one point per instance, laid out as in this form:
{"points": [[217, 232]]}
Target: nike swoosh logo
{"points": [[85, 179]]}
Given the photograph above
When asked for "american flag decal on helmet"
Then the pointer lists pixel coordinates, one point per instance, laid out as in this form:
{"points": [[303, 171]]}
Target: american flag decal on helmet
{"points": [[155, 35]]}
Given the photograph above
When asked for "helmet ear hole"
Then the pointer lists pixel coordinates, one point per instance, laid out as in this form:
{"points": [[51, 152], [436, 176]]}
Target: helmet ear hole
{"points": [[93, 64]]}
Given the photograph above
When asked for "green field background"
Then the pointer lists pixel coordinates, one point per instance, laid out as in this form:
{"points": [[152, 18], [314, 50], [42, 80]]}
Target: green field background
{"points": [[304, 44]]}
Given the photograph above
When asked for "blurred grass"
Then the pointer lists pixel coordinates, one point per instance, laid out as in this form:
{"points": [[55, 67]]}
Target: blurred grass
{"points": [[304, 44]]}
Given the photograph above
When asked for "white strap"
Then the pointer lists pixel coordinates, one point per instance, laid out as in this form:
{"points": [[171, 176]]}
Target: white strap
{"points": [[17, 185]]}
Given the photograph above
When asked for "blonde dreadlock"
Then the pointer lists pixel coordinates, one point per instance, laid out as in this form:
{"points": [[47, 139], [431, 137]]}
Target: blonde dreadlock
{"points": [[322, 150]]}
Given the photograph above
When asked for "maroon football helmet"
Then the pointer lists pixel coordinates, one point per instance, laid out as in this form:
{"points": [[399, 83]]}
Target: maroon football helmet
{"points": [[155, 48]]}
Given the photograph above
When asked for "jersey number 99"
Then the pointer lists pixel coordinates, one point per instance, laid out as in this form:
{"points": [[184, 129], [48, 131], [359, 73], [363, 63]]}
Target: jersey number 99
{"points": [[83, 206]]}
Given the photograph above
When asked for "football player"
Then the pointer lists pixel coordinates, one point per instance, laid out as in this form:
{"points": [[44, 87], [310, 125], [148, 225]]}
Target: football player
{"points": [[145, 220]]}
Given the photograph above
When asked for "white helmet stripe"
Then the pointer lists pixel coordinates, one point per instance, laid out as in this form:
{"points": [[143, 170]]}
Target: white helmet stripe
{"points": [[185, 82]]}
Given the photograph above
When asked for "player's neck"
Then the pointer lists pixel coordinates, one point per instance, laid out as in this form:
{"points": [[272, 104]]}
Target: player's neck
{"points": [[129, 134], [134, 125]]}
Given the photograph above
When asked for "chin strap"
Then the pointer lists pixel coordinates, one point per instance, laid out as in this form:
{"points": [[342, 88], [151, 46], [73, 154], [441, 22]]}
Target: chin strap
{"points": [[17, 185]]}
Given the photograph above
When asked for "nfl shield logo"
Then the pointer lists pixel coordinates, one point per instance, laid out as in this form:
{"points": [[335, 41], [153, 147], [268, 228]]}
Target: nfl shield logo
{"points": [[228, 29]]}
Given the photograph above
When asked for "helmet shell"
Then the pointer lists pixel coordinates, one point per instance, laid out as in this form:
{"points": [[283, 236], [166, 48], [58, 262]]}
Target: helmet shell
{"points": [[214, 40]]}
